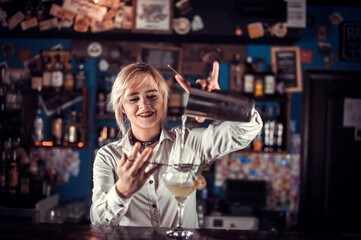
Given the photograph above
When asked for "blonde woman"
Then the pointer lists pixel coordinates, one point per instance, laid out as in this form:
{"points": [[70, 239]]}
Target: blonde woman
{"points": [[127, 189]]}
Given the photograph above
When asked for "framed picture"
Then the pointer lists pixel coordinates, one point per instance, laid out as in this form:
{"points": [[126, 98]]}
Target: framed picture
{"points": [[286, 62], [161, 56], [153, 16]]}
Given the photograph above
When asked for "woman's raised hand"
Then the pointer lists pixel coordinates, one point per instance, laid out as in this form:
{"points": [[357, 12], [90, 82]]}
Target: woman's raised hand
{"points": [[209, 85], [131, 171]]}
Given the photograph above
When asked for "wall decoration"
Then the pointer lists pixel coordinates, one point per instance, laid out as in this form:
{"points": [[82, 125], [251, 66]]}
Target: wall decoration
{"points": [[24, 54], [160, 56], [324, 48], [350, 35], [306, 56], [255, 30], [153, 16], [322, 32], [286, 63], [336, 18], [7, 49]]}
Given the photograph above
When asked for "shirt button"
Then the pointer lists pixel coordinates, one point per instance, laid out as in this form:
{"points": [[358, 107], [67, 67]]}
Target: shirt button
{"points": [[154, 205], [151, 182]]}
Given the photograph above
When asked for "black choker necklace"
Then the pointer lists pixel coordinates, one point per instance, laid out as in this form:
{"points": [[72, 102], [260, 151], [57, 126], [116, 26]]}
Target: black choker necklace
{"points": [[144, 144]]}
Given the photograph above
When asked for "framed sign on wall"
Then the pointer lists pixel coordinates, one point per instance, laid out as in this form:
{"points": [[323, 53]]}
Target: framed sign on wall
{"points": [[153, 16], [286, 64], [161, 56]]}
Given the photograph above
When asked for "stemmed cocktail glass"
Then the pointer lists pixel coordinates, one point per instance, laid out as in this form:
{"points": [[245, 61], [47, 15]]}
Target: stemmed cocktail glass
{"points": [[180, 184]]}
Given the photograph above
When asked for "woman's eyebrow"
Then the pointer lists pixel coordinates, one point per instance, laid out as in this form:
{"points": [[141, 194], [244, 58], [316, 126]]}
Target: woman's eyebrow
{"points": [[136, 93]]}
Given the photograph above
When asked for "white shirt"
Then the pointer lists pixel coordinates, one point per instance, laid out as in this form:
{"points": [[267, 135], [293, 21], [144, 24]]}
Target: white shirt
{"points": [[153, 205]]}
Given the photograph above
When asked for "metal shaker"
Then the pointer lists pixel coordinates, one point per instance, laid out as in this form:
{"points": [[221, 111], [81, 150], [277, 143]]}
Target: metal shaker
{"points": [[218, 105]]}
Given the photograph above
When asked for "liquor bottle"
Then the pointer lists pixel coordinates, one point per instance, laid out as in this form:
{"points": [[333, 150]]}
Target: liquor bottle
{"points": [[279, 136], [258, 85], [112, 134], [103, 136], [47, 73], [248, 78], [40, 11], [269, 82], [24, 181], [2, 97], [29, 9], [13, 177], [258, 142], [69, 78], [259, 79], [236, 73], [101, 99], [3, 175], [10, 98], [57, 76], [57, 127], [73, 128], [80, 77], [38, 126]]}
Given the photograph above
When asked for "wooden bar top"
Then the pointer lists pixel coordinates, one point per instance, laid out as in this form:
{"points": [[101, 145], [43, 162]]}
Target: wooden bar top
{"points": [[39, 231]]}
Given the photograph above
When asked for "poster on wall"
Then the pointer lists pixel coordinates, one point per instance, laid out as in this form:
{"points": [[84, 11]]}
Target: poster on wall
{"points": [[350, 47], [286, 63], [153, 16]]}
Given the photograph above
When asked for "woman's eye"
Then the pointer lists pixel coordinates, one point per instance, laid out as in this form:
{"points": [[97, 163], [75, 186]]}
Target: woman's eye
{"points": [[133, 99], [152, 96]]}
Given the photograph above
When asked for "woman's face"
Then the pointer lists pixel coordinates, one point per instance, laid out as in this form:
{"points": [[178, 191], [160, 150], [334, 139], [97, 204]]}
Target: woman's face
{"points": [[144, 106]]}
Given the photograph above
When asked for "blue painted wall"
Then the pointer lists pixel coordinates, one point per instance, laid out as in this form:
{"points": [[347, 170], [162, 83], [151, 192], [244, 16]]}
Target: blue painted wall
{"points": [[80, 187]]}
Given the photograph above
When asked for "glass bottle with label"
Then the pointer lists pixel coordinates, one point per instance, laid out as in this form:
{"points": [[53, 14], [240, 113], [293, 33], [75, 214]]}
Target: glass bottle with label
{"points": [[3, 175], [38, 126], [248, 78], [259, 79], [57, 127], [80, 76], [11, 102], [69, 78], [13, 177], [47, 73], [28, 10], [57, 76], [73, 128], [269, 82], [236, 73]]}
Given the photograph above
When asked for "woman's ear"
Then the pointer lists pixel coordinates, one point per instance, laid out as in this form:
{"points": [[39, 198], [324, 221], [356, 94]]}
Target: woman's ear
{"points": [[123, 110]]}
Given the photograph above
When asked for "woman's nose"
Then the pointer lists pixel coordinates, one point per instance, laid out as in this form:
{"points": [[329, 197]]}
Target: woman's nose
{"points": [[143, 102]]}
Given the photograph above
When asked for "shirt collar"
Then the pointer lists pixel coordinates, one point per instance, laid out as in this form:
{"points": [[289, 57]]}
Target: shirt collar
{"points": [[125, 143]]}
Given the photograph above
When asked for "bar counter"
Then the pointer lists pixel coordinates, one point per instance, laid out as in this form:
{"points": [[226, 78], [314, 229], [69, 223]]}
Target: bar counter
{"points": [[21, 230]]}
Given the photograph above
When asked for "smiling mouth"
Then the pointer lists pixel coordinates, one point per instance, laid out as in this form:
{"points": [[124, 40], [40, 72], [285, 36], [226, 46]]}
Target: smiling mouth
{"points": [[146, 115]]}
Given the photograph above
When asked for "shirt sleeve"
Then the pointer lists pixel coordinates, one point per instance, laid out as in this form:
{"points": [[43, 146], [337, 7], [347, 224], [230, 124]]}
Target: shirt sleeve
{"points": [[221, 139], [107, 206]]}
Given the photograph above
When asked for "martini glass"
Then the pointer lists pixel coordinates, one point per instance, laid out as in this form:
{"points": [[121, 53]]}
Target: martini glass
{"points": [[180, 184]]}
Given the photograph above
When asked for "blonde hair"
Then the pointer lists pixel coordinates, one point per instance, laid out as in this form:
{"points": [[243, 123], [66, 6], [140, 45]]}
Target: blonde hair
{"points": [[133, 76]]}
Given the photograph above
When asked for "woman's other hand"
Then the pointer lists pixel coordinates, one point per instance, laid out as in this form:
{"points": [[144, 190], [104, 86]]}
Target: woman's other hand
{"points": [[131, 171], [209, 85]]}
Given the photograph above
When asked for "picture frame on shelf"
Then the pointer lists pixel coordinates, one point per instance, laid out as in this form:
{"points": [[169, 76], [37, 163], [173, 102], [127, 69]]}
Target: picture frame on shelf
{"points": [[161, 56], [153, 16], [286, 62]]}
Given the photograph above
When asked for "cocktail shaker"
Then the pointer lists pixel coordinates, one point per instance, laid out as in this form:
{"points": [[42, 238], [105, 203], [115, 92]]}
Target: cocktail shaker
{"points": [[218, 105]]}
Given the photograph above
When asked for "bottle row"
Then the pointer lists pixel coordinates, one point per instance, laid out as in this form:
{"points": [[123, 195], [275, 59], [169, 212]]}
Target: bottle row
{"points": [[270, 139], [108, 134], [56, 72], [11, 97], [103, 96], [252, 80], [65, 130], [23, 182]]}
